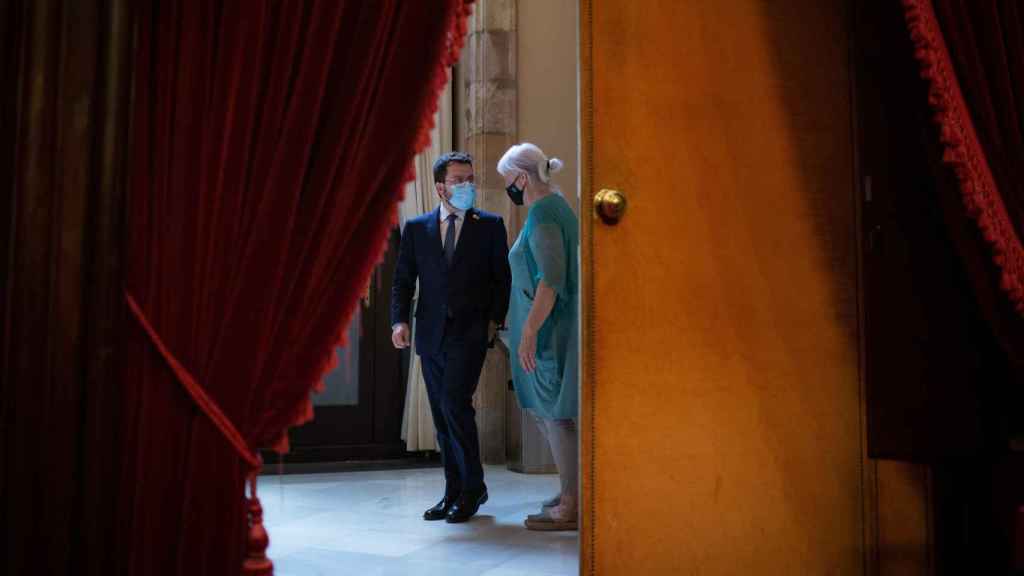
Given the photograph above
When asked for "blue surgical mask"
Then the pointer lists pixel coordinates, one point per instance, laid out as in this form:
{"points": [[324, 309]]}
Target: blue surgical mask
{"points": [[463, 196]]}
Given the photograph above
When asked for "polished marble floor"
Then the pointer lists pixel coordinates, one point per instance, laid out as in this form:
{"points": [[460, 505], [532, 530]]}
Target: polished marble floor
{"points": [[370, 523]]}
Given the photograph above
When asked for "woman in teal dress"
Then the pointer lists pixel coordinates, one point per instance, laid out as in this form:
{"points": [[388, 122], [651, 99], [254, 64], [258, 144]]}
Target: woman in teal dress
{"points": [[543, 319]]}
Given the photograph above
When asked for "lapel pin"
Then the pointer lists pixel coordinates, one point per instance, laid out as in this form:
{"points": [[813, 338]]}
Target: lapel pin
{"points": [[476, 216]]}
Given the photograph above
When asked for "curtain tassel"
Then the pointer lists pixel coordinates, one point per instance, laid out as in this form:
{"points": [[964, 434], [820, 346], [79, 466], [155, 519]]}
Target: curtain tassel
{"points": [[256, 561]]}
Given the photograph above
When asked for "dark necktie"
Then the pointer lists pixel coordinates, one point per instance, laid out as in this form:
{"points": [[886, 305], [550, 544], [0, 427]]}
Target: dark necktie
{"points": [[449, 239]]}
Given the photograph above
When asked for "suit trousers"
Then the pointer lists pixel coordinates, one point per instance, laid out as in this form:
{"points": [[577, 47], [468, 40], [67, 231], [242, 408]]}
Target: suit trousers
{"points": [[451, 376]]}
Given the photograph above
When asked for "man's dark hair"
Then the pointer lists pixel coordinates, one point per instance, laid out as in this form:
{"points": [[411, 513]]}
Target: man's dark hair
{"points": [[441, 164]]}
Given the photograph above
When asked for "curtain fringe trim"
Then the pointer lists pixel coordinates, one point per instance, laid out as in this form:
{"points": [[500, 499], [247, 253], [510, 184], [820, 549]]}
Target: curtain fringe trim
{"points": [[457, 28], [962, 149]]}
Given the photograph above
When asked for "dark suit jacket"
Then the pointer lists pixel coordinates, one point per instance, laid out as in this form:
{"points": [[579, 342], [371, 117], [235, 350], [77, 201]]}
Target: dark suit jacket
{"points": [[474, 292]]}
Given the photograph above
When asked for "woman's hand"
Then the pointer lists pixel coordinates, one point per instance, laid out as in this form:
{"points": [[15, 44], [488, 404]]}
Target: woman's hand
{"points": [[543, 303], [528, 350]]}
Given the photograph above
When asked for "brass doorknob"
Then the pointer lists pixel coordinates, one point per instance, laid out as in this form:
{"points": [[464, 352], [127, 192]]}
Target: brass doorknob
{"points": [[610, 206]]}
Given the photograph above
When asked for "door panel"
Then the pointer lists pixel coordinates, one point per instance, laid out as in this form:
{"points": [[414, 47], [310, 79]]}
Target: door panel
{"points": [[722, 421]]}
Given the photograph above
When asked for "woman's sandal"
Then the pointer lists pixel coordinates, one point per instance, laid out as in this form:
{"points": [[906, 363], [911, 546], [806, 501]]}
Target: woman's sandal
{"points": [[551, 520]]}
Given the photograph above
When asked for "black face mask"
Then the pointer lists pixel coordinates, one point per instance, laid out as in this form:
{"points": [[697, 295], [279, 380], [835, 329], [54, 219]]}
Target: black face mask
{"points": [[515, 193]]}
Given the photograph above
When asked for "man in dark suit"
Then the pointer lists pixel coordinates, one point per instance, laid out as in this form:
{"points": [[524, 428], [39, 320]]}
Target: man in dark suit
{"points": [[460, 257]]}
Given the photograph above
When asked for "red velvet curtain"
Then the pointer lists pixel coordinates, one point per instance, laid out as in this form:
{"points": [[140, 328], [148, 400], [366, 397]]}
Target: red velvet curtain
{"points": [[271, 141], [972, 54]]}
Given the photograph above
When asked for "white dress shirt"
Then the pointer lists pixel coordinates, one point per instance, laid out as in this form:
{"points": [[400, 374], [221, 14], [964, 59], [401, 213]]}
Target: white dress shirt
{"points": [[460, 217]]}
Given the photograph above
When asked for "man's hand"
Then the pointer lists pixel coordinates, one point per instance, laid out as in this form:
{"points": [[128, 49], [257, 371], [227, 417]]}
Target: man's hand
{"points": [[400, 335]]}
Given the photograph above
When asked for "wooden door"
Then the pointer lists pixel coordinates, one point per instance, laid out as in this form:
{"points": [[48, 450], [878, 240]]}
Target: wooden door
{"points": [[722, 415]]}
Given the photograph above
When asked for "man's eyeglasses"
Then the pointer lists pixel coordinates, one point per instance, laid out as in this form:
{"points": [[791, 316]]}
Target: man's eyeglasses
{"points": [[457, 181]]}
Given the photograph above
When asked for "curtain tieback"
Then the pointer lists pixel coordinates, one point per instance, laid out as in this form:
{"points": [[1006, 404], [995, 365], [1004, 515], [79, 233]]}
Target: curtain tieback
{"points": [[256, 562]]}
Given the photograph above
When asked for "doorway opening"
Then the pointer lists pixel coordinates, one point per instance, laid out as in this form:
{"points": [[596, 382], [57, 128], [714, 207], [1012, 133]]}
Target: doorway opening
{"points": [[353, 489]]}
